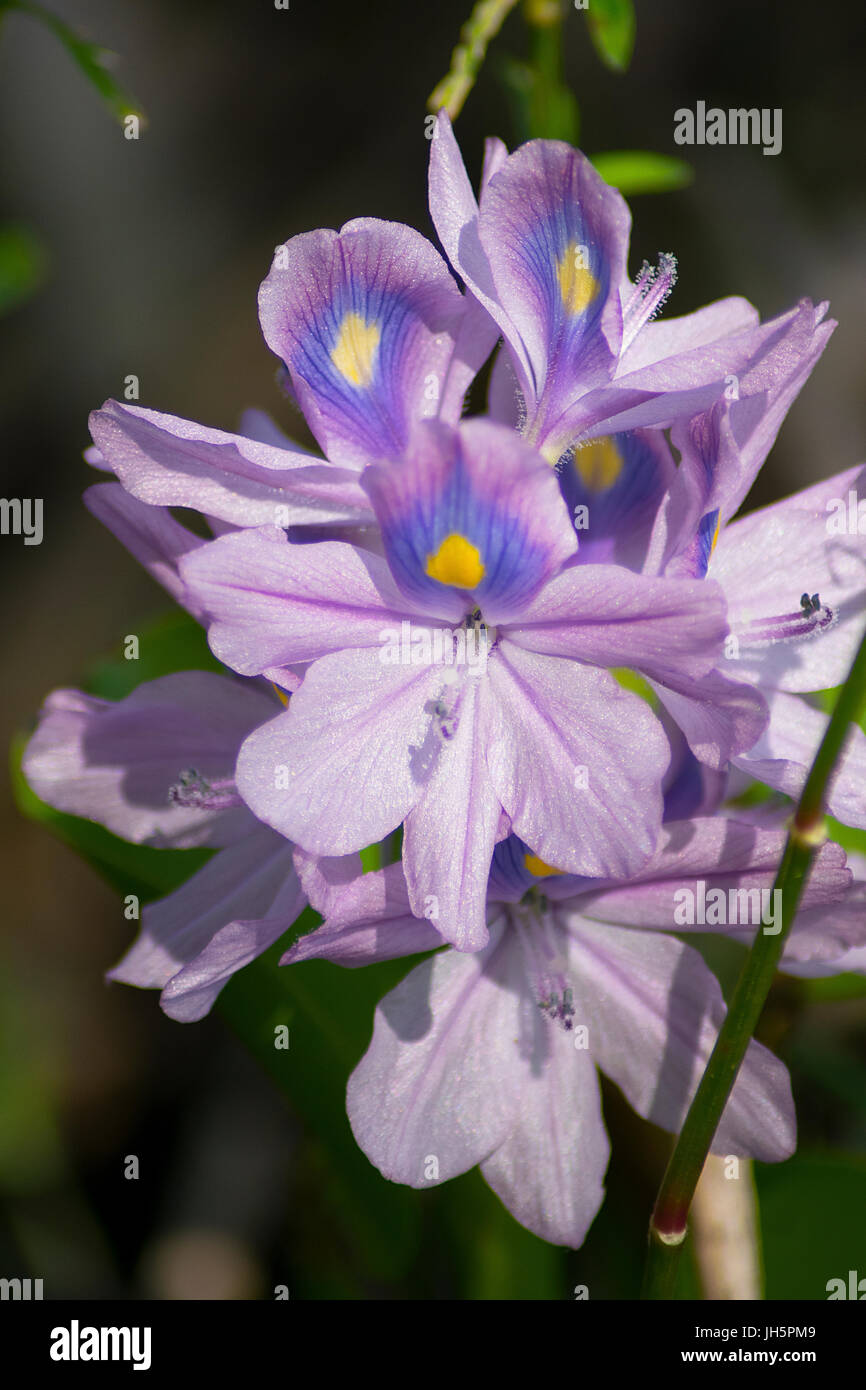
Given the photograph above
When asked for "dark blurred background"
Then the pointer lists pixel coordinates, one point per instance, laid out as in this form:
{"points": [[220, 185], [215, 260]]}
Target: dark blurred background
{"points": [[262, 124]]}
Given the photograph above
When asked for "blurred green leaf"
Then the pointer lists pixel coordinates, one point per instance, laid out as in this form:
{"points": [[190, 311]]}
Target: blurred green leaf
{"points": [[92, 60], [642, 171], [500, 1259], [31, 1148], [329, 1013], [22, 266], [813, 1219], [541, 107], [553, 112], [826, 1059], [175, 642], [835, 987], [612, 30]]}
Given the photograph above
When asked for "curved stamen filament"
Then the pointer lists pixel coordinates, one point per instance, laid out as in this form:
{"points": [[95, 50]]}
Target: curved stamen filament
{"points": [[807, 621]]}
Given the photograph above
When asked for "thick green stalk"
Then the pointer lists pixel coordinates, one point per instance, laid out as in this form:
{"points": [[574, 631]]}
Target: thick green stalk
{"points": [[668, 1224]]}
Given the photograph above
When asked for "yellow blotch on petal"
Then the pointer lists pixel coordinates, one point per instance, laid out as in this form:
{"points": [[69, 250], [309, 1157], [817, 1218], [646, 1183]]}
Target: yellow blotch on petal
{"points": [[354, 352], [715, 539], [537, 867], [577, 284], [457, 562], [281, 695], [599, 464]]}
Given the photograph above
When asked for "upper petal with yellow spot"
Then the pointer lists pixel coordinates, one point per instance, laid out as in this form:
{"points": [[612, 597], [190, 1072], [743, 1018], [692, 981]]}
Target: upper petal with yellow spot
{"points": [[354, 353], [577, 284]]}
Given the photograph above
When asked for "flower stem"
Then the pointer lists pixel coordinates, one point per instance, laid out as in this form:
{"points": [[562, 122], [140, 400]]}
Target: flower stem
{"points": [[482, 25], [668, 1224]]}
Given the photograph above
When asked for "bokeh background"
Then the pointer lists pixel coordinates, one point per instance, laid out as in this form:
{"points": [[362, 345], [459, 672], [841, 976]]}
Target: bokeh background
{"points": [[262, 124]]}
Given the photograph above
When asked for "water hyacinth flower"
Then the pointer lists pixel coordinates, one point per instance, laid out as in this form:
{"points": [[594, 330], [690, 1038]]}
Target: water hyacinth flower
{"points": [[634, 505], [545, 251], [490, 1059], [795, 594], [540, 738], [374, 335], [157, 768], [795, 585]]}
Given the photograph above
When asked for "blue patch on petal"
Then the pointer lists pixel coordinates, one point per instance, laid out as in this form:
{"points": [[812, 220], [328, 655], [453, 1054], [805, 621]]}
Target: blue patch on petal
{"points": [[684, 797], [696, 556], [458, 531], [613, 488], [510, 879], [572, 273], [352, 357]]}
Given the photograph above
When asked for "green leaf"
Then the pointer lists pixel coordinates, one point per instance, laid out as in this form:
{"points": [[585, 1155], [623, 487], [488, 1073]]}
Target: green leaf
{"points": [[541, 107], [845, 986], [31, 1145], [22, 266], [499, 1258], [826, 1061], [329, 1014], [612, 30], [813, 1220], [642, 171], [171, 643], [92, 60]]}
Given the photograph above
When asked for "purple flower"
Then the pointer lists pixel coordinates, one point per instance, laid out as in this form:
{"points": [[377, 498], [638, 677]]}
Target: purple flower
{"points": [[157, 768], [536, 736], [795, 591], [374, 336], [545, 251], [853, 958], [491, 1058]]}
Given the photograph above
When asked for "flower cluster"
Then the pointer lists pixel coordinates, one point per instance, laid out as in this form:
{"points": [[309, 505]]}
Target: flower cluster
{"points": [[533, 641]]}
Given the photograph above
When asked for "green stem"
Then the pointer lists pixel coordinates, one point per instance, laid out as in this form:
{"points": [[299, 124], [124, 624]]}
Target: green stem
{"points": [[668, 1224], [545, 19], [482, 25]]}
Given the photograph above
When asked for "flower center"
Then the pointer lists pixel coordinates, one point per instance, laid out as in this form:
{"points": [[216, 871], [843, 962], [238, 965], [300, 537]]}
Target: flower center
{"points": [[809, 620], [193, 790], [546, 958]]}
